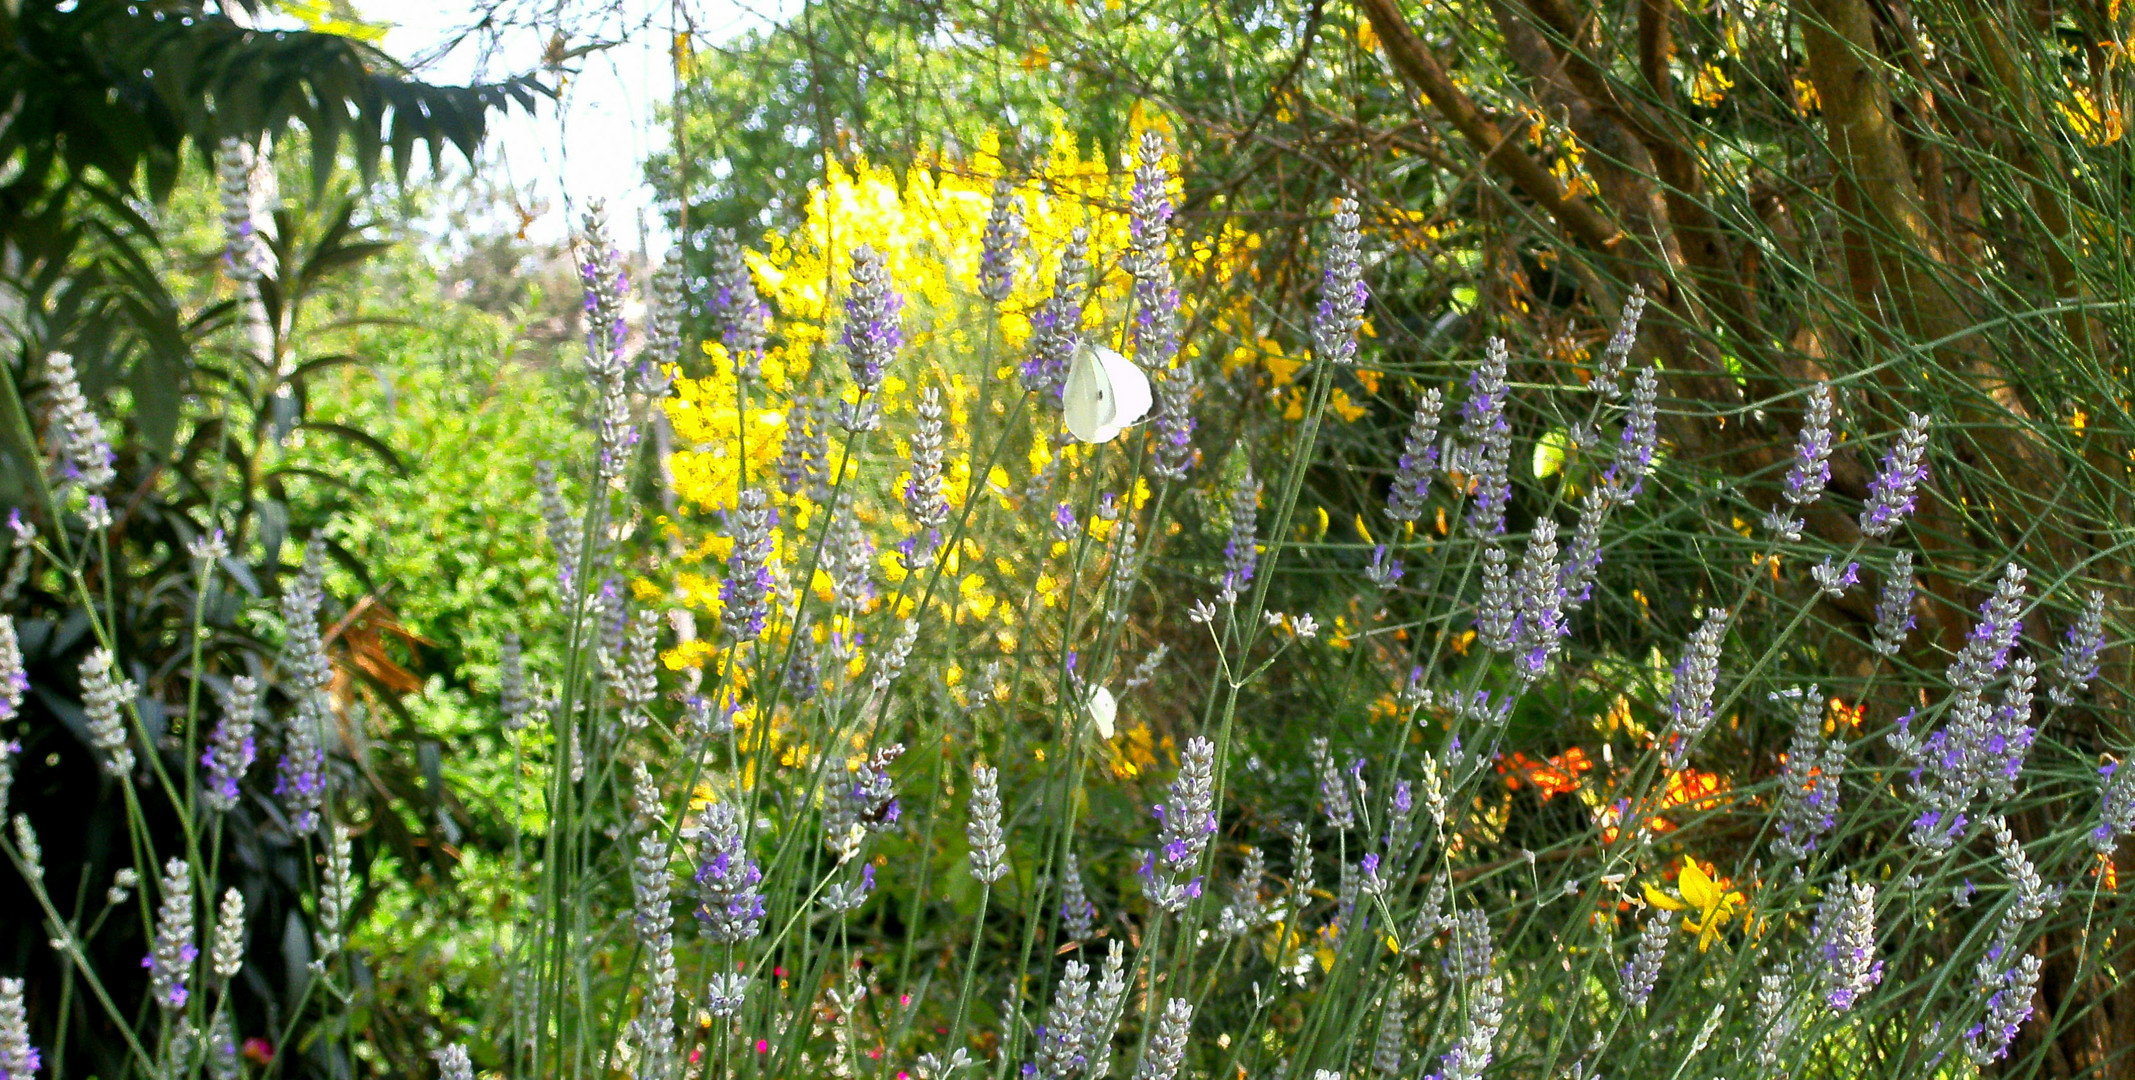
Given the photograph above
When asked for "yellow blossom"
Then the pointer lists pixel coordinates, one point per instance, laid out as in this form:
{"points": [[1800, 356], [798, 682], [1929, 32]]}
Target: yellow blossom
{"points": [[1711, 901]]}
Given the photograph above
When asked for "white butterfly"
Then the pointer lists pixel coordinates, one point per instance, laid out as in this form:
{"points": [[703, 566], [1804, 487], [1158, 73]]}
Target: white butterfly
{"points": [[1104, 708], [1106, 394]]}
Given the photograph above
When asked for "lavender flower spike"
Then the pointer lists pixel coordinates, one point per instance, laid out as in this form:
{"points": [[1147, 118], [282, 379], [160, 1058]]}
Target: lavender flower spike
{"points": [[1418, 461], [1986, 649], [171, 963], [2079, 652], [231, 748], [997, 247], [1539, 627], [1811, 469], [730, 907], [1241, 556], [1608, 375], [1626, 475], [1148, 257], [1496, 610], [989, 853], [1833, 580], [738, 315], [1056, 328], [867, 803], [1187, 820], [104, 693], [1342, 291], [1167, 1045], [2116, 811], [9, 750], [242, 252], [1811, 782], [1895, 489], [1173, 452], [1696, 677], [1393, 1031], [2007, 988], [1644, 968], [14, 681], [663, 324], [751, 578], [18, 1059], [1334, 788], [1894, 610], [1845, 941], [85, 457], [1483, 449], [453, 1063], [1078, 917], [874, 329], [924, 499]]}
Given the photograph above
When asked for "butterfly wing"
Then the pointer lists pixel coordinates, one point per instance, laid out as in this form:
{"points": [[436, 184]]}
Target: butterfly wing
{"points": [[1104, 711], [1089, 401], [1130, 388]]}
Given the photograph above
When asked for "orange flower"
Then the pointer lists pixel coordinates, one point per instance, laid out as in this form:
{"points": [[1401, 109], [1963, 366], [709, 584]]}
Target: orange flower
{"points": [[1559, 775]]}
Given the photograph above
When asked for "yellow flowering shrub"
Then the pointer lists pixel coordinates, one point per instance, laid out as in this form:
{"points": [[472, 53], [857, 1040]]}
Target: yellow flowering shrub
{"points": [[730, 433]]}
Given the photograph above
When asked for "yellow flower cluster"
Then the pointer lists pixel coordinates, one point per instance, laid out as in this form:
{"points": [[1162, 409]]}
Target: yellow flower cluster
{"points": [[928, 225]]}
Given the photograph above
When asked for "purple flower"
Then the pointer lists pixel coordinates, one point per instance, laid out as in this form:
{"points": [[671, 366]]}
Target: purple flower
{"points": [[874, 329], [729, 906], [1385, 569], [1811, 782], [1696, 677], [242, 252], [2080, 647], [1334, 790], [14, 680], [1419, 460], [171, 962], [1844, 938], [750, 581], [1892, 493], [1186, 822], [1342, 291], [1077, 915], [1497, 609], [1626, 475], [18, 1059], [1582, 558], [1483, 450], [997, 247], [866, 803], [923, 497], [1056, 327], [1539, 626], [1811, 469], [1834, 580], [1608, 375], [1241, 556], [1894, 609], [231, 749], [85, 455], [2006, 981], [1643, 970], [738, 314], [1174, 451], [1148, 257], [2116, 811], [607, 289], [1981, 749]]}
